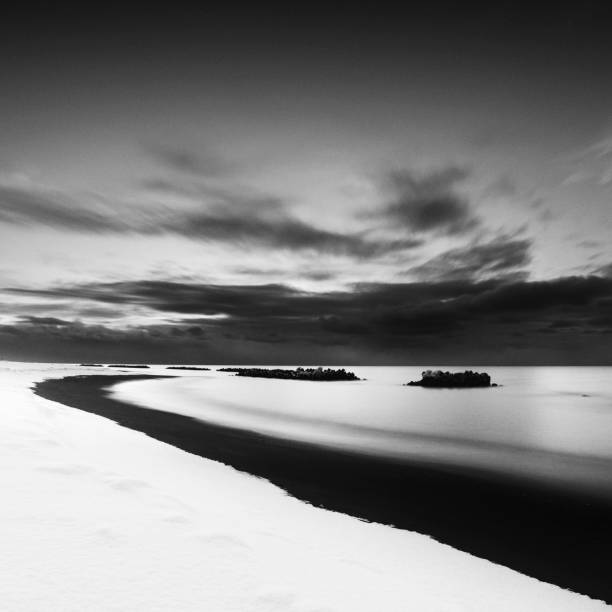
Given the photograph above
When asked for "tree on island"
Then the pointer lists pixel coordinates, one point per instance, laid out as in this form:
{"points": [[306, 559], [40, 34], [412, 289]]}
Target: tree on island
{"points": [[317, 374], [440, 379]]}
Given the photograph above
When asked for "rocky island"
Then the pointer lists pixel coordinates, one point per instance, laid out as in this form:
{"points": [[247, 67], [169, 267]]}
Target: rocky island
{"points": [[186, 368], [319, 374], [123, 365], [449, 380]]}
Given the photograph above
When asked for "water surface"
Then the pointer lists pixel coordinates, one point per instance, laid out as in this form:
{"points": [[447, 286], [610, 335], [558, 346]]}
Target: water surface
{"points": [[551, 424]]}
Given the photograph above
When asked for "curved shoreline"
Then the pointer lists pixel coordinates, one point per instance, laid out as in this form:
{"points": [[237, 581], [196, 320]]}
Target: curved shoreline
{"points": [[560, 537]]}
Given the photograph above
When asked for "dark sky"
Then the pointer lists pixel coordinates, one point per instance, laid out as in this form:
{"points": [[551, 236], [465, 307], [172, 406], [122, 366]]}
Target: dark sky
{"points": [[307, 184]]}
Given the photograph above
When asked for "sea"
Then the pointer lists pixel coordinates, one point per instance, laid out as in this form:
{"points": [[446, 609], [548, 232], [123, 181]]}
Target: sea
{"points": [[544, 424]]}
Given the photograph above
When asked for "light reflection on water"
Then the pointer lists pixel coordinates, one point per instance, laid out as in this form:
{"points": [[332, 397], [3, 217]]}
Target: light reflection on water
{"points": [[553, 423]]}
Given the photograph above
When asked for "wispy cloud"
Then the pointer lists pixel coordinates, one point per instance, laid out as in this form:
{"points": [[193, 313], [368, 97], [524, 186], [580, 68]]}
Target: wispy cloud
{"points": [[234, 218], [592, 164], [497, 258], [20, 205]]}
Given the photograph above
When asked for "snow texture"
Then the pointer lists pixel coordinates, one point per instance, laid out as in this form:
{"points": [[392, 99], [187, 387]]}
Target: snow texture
{"points": [[96, 517]]}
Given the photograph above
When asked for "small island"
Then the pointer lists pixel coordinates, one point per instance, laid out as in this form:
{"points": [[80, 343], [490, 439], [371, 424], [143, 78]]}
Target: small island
{"points": [[123, 365], [318, 374], [186, 368], [449, 380], [91, 365]]}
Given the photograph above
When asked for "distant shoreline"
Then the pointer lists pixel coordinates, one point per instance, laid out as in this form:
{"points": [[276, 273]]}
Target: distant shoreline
{"points": [[562, 538]]}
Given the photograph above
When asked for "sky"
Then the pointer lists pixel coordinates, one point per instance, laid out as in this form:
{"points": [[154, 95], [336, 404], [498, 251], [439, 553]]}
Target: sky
{"points": [[306, 184]]}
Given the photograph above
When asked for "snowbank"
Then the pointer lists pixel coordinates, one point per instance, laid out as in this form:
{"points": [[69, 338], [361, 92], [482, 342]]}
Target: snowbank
{"points": [[97, 517]]}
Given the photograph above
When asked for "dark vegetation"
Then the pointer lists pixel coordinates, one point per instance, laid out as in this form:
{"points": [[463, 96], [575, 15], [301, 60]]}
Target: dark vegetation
{"points": [[438, 379], [297, 374]]}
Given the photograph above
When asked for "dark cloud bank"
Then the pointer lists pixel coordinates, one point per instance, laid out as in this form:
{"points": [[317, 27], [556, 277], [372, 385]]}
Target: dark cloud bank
{"points": [[562, 321]]}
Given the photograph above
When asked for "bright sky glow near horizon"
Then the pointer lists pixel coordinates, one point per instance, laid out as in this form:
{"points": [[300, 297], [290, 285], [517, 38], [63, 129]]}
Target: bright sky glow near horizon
{"points": [[364, 186]]}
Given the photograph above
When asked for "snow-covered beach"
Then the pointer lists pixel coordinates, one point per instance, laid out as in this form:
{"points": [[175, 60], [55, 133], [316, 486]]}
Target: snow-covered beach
{"points": [[100, 517]]}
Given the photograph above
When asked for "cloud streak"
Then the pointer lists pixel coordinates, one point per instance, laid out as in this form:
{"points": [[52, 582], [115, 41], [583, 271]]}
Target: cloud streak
{"points": [[263, 222], [497, 258]]}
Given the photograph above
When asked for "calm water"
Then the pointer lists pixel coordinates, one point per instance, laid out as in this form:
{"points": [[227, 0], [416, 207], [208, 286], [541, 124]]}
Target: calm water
{"points": [[543, 423]]}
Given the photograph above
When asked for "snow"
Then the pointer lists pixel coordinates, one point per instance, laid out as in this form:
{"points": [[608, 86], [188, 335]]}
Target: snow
{"points": [[98, 517]]}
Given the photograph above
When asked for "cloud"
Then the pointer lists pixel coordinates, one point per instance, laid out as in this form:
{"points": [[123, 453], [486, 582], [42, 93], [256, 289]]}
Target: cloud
{"points": [[498, 257], [429, 203], [564, 320], [231, 218], [45, 207], [562, 294], [74, 341], [281, 231], [233, 300], [592, 164], [504, 186], [605, 270], [203, 165], [31, 320], [590, 244]]}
